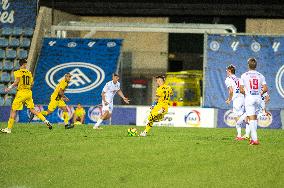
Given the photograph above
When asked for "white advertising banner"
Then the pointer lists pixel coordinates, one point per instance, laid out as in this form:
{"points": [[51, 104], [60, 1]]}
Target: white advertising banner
{"points": [[180, 117]]}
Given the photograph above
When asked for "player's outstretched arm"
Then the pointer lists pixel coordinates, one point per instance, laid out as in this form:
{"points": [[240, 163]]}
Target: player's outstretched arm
{"points": [[16, 82]]}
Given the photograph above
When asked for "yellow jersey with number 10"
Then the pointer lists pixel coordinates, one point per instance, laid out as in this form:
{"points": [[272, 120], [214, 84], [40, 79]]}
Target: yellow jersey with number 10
{"points": [[26, 79], [164, 92]]}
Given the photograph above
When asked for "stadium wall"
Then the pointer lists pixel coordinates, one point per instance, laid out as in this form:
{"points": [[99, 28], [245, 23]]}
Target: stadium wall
{"points": [[265, 26]]}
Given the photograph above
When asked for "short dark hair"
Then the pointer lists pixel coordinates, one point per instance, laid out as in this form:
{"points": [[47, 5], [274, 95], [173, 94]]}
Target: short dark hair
{"points": [[252, 63], [232, 68], [22, 61], [163, 77], [115, 74]]}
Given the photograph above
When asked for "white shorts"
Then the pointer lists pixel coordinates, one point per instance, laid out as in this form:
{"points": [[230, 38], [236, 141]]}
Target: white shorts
{"points": [[108, 107], [238, 106], [252, 104]]}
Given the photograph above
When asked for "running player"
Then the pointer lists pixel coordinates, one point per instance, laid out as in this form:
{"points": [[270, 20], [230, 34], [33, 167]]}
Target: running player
{"points": [[110, 89], [160, 105], [24, 81], [233, 84], [57, 99], [253, 85]]}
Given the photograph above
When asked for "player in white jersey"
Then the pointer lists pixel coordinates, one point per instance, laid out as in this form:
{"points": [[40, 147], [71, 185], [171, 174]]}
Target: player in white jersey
{"points": [[233, 84], [110, 89], [253, 85]]}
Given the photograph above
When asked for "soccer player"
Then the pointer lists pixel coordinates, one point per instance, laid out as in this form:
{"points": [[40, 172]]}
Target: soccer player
{"points": [[233, 82], [24, 81], [110, 89], [79, 115], [160, 105], [253, 85], [57, 99]]}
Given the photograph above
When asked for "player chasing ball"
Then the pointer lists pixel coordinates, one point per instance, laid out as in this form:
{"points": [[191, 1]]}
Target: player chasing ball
{"points": [[110, 89], [160, 105], [23, 82]]}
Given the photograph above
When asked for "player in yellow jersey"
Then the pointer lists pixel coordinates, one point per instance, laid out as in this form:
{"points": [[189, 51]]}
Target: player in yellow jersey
{"points": [[160, 105], [79, 115], [24, 81], [57, 99]]}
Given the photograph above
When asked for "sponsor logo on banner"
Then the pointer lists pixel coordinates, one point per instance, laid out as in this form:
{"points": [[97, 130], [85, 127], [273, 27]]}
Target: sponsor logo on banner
{"points": [[70, 110], [265, 120], [80, 80], [6, 16], [38, 108], [275, 46], [193, 118], [229, 118], [94, 113], [214, 45], [279, 82], [255, 46]]}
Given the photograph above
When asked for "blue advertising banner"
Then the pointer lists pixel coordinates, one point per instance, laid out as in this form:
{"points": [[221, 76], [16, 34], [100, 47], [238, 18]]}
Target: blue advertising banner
{"points": [[90, 61], [223, 50], [120, 116], [18, 13], [270, 121], [4, 113]]}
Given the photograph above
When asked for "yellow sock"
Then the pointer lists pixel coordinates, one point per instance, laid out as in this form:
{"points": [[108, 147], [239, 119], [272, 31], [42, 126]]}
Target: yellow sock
{"points": [[41, 117], [44, 113], [65, 117], [149, 126], [10, 123]]}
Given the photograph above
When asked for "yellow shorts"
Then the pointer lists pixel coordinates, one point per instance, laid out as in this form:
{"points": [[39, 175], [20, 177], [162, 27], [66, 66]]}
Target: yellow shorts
{"points": [[53, 104], [156, 114], [23, 97]]}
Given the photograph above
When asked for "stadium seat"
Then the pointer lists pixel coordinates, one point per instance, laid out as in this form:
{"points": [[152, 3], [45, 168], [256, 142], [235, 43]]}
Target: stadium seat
{"points": [[13, 91], [14, 42], [11, 54], [4, 42], [16, 65], [2, 54], [1, 65], [12, 76], [17, 31], [8, 65], [22, 54], [6, 31], [8, 101], [2, 87], [2, 102], [28, 32], [5, 77], [25, 42]]}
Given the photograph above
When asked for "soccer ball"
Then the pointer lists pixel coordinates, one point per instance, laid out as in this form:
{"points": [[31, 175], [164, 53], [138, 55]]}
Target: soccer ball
{"points": [[132, 132]]}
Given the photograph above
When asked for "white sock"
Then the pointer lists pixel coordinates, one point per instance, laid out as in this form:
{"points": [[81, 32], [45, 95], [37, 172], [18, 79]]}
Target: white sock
{"points": [[247, 130], [98, 122], [239, 130], [253, 127]]}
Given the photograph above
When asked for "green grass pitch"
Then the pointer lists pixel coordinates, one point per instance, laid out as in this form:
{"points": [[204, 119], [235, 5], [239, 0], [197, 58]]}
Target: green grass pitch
{"points": [[33, 156]]}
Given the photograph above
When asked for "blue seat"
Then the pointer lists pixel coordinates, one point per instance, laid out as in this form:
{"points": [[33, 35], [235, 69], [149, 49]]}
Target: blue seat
{"points": [[2, 87], [14, 42], [22, 54], [1, 65], [6, 31], [12, 76], [25, 42], [17, 31], [5, 77], [8, 101], [13, 91], [4, 42], [11, 54], [2, 102], [8, 65], [16, 65], [28, 31], [2, 54]]}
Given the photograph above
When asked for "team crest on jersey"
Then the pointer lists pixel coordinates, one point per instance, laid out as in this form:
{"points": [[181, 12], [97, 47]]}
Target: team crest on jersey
{"points": [[192, 118], [265, 120], [94, 113], [85, 76], [229, 118]]}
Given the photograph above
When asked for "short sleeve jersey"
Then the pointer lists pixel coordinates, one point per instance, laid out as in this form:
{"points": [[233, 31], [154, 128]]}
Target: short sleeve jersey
{"points": [[26, 79], [252, 82], [234, 82], [63, 84], [164, 92], [110, 90]]}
